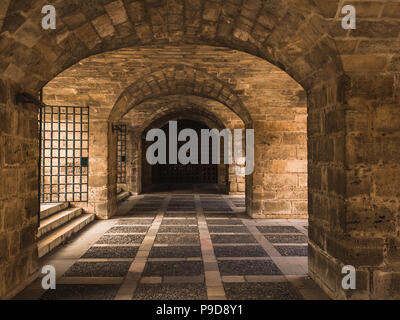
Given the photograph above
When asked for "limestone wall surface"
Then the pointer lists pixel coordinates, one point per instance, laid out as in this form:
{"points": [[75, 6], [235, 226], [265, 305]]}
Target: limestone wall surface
{"points": [[352, 82], [275, 102]]}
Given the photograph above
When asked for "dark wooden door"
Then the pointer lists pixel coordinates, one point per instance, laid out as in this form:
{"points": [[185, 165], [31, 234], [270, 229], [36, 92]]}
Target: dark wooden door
{"points": [[191, 173]]}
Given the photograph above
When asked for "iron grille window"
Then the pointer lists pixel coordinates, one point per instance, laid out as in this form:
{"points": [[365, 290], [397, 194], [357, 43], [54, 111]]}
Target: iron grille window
{"points": [[121, 154], [64, 154]]}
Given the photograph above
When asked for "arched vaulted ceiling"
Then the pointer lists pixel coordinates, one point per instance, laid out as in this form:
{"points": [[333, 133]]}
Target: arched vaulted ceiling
{"points": [[181, 106], [291, 34], [175, 80]]}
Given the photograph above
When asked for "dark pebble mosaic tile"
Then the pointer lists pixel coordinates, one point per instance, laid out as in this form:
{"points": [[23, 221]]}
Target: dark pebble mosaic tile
{"points": [[239, 251], [153, 198], [289, 251], [129, 222], [287, 238], [176, 252], [225, 209], [121, 239], [179, 214], [173, 268], [178, 239], [81, 292], [177, 229], [149, 204], [144, 209], [181, 203], [135, 229], [219, 215], [181, 208], [238, 238], [277, 229], [248, 267], [212, 203], [98, 269], [184, 291], [262, 291], [141, 214], [111, 252], [177, 222], [212, 222], [228, 229], [184, 196]]}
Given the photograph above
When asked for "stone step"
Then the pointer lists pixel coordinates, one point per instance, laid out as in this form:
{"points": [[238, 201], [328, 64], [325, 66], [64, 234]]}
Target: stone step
{"points": [[57, 220], [47, 210], [123, 195], [58, 236]]}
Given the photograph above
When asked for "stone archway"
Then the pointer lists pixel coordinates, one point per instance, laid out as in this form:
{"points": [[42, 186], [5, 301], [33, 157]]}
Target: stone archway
{"points": [[169, 81], [202, 117], [178, 80], [169, 109], [272, 30], [293, 35]]}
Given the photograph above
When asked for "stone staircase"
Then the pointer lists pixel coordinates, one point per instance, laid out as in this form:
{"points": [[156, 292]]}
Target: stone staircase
{"points": [[58, 222], [122, 195]]}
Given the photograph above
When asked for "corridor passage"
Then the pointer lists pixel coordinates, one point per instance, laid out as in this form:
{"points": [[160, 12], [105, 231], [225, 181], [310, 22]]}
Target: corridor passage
{"points": [[193, 243]]}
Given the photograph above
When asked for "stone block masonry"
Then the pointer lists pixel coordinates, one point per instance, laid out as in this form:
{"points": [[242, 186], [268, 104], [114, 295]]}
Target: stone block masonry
{"points": [[275, 103], [19, 206], [350, 77]]}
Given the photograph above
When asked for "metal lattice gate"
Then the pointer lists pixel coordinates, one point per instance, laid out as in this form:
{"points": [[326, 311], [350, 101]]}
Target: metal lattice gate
{"points": [[64, 154], [121, 154]]}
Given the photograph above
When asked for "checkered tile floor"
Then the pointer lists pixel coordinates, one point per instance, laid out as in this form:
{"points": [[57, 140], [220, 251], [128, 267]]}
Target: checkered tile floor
{"points": [[184, 246]]}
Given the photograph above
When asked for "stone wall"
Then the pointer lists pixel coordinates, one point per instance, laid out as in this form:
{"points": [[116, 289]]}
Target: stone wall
{"points": [[365, 232], [352, 144], [19, 205], [273, 101], [212, 113]]}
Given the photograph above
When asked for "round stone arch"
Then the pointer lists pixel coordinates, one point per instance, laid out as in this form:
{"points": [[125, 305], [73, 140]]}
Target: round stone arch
{"points": [[290, 34], [177, 107], [209, 119], [178, 80], [170, 81]]}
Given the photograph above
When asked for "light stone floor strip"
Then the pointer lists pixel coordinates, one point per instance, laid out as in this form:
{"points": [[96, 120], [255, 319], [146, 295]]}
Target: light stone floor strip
{"points": [[267, 246], [302, 230], [294, 268], [287, 265], [136, 269], [65, 256], [215, 288]]}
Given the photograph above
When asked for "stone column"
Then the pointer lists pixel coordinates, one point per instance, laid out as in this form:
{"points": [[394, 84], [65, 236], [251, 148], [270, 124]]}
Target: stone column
{"points": [[133, 162], [102, 174]]}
